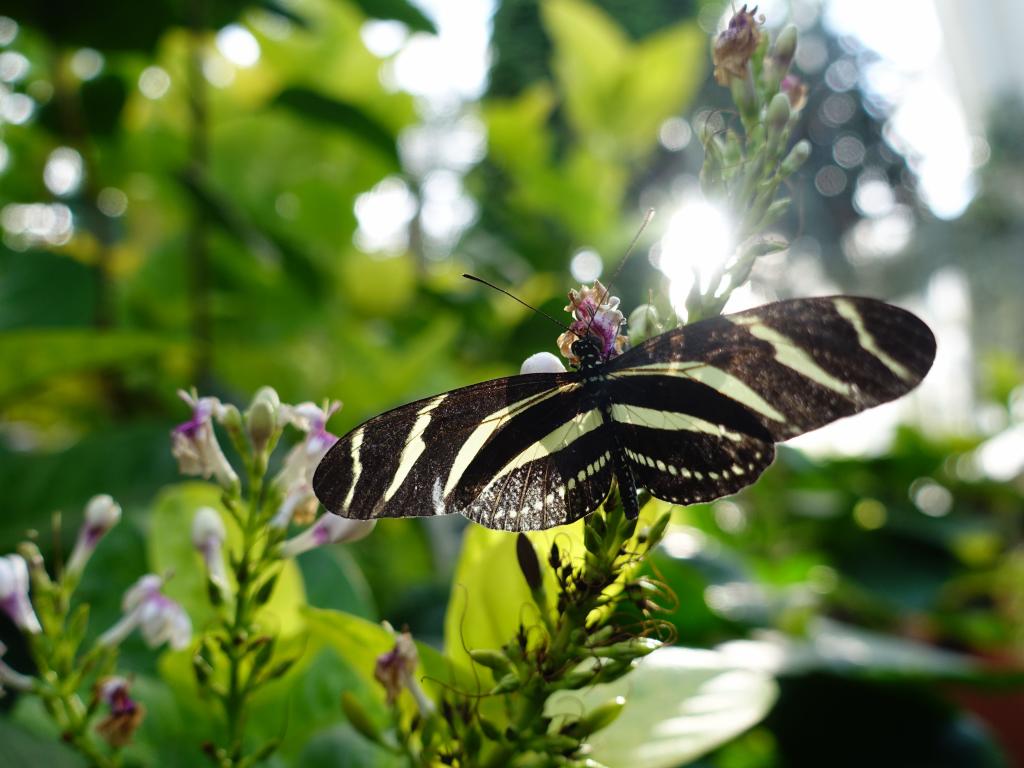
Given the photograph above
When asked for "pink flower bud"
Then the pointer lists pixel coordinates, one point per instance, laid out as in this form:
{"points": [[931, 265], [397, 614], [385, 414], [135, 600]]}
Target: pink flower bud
{"points": [[161, 619], [101, 514], [328, 529]]}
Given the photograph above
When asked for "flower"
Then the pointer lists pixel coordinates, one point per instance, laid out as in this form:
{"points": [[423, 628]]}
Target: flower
{"points": [[329, 529], [394, 670], [194, 443], [208, 537], [735, 45], [542, 362], [125, 715], [12, 679], [101, 514], [296, 476], [596, 313], [14, 593], [161, 619]]}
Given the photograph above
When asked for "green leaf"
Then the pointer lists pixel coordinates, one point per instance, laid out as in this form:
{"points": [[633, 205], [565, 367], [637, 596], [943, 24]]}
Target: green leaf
{"points": [[342, 747], [680, 704], [834, 646], [30, 738], [342, 115], [33, 357], [618, 93], [399, 10], [170, 549], [360, 642]]}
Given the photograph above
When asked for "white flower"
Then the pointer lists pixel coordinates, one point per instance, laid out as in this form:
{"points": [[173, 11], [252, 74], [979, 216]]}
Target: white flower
{"points": [[14, 593], [542, 362], [296, 476], [208, 536], [329, 529], [11, 678], [101, 514], [194, 443], [161, 619]]}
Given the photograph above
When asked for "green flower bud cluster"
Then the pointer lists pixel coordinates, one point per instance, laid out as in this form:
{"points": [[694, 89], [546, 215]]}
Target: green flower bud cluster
{"points": [[743, 169]]}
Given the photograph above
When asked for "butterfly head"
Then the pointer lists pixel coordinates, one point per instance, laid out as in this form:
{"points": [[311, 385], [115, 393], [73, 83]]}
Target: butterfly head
{"points": [[588, 350]]}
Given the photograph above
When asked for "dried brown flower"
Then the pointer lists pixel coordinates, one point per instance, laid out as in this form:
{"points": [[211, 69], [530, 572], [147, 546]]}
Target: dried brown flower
{"points": [[735, 45]]}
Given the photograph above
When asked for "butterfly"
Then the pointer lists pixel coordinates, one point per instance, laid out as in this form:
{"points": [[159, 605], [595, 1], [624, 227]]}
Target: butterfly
{"points": [[690, 415]]}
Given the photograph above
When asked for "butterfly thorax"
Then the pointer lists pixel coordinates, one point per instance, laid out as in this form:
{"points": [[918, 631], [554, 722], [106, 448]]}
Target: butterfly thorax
{"points": [[588, 350]]}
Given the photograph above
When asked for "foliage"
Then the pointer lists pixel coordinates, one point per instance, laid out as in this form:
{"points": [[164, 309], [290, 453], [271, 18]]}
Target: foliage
{"points": [[215, 240]]}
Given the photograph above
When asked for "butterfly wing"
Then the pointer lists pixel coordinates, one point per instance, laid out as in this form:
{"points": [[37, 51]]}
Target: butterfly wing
{"points": [[710, 398], [499, 452]]}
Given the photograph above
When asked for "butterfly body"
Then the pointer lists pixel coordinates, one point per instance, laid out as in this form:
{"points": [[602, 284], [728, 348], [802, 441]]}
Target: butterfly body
{"points": [[690, 415]]}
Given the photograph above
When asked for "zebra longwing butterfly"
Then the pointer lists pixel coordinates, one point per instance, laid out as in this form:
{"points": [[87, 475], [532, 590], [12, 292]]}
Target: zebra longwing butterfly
{"points": [[690, 415]]}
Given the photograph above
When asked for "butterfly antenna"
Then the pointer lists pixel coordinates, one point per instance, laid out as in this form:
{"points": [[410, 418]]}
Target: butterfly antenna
{"points": [[632, 244], [516, 298]]}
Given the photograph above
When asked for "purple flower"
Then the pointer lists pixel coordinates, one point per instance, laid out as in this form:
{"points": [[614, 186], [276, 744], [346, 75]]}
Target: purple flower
{"points": [[595, 313], [328, 529], [161, 619], [14, 594], [194, 443], [394, 670], [295, 480], [125, 715], [101, 514]]}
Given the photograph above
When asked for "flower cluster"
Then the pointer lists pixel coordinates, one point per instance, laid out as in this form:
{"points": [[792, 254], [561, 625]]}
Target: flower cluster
{"points": [[595, 313]]}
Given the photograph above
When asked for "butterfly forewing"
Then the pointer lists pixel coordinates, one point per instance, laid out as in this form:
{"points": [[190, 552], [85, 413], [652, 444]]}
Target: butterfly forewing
{"points": [[795, 365], [407, 462]]}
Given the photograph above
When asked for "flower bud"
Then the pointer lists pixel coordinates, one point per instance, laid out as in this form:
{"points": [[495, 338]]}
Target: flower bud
{"points": [[785, 48], [778, 113], [261, 418], [597, 719], [542, 362], [735, 46], [486, 657], [329, 529], [14, 594], [208, 536], [797, 156], [101, 514], [644, 324]]}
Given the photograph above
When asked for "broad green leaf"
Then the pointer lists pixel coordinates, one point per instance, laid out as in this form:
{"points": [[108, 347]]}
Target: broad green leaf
{"points": [[680, 704], [398, 10], [664, 74], [618, 93], [591, 53], [333, 580], [30, 738], [171, 550], [341, 746], [834, 646], [360, 642], [341, 115], [30, 358]]}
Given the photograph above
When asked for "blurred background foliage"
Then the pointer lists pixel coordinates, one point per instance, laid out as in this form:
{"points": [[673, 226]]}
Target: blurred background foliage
{"points": [[236, 194]]}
